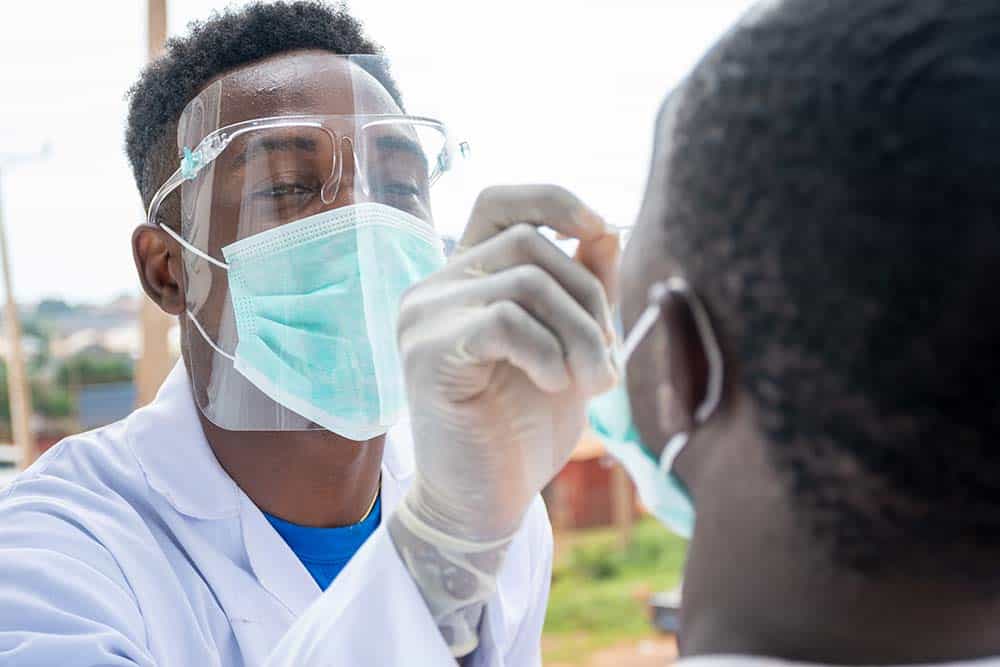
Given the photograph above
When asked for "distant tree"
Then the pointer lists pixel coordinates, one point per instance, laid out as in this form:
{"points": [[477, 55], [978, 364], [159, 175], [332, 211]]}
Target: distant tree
{"points": [[52, 308], [51, 401], [94, 368], [46, 400], [33, 326]]}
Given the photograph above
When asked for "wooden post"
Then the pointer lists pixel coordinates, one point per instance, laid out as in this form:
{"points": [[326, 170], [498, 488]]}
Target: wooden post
{"points": [[622, 504], [156, 27], [154, 359], [17, 378]]}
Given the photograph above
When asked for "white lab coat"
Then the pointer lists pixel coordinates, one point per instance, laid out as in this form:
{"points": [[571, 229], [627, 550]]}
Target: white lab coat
{"points": [[130, 545]]}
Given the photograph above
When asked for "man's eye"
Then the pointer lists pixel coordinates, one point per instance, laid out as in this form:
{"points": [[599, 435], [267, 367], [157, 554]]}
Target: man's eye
{"points": [[398, 189], [285, 190]]}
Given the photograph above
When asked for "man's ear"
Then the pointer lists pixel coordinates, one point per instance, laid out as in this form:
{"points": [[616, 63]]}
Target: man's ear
{"points": [[158, 260], [686, 385]]}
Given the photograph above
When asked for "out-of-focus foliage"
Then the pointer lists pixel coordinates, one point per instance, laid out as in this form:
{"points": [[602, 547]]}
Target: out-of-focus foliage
{"points": [[46, 399], [599, 591], [92, 368]]}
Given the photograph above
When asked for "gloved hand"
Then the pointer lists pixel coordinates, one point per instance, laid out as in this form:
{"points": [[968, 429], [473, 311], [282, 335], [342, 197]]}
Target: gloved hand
{"points": [[502, 350]]}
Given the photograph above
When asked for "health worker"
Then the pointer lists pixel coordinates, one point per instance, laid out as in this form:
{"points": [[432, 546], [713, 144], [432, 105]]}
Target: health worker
{"points": [[289, 196]]}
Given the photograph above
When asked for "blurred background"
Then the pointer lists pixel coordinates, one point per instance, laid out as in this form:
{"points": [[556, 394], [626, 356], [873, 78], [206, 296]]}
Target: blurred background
{"points": [[562, 91]]}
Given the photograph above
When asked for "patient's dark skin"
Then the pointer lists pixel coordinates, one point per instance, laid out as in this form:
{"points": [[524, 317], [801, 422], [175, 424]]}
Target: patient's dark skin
{"points": [[758, 581], [312, 477]]}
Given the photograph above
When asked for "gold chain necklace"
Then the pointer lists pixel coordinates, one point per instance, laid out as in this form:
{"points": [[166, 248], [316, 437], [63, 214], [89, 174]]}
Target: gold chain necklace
{"points": [[378, 492]]}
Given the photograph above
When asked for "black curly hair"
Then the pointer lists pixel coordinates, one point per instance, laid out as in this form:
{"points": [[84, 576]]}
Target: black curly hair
{"points": [[832, 188], [224, 42]]}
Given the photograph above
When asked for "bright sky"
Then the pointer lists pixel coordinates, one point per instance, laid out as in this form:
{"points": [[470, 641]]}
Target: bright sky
{"points": [[560, 91]]}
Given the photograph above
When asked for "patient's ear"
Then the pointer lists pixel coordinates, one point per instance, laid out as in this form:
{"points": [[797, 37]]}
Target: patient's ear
{"points": [[685, 384]]}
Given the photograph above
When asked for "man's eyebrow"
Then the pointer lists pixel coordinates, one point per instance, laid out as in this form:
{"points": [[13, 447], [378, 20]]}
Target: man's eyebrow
{"points": [[270, 144], [399, 143]]}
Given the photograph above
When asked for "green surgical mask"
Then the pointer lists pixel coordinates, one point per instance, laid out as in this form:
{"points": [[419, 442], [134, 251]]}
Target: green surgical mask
{"points": [[315, 304]]}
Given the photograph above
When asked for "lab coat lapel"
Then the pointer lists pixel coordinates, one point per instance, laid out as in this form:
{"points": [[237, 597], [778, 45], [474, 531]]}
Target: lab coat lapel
{"points": [[224, 535], [175, 457], [397, 467], [278, 568]]}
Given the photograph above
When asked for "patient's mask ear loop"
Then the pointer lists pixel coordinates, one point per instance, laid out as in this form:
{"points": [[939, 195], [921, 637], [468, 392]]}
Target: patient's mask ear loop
{"points": [[658, 295]]}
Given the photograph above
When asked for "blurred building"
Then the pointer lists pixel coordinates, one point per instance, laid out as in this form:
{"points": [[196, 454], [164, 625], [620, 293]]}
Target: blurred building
{"points": [[101, 404], [81, 360], [582, 495]]}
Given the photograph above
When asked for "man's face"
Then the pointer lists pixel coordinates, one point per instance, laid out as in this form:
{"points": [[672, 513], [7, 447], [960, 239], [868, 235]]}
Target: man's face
{"points": [[267, 179]]}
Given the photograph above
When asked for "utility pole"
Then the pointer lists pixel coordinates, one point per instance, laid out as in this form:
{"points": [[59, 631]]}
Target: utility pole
{"points": [[18, 388], [154, 359], [622, 505]]}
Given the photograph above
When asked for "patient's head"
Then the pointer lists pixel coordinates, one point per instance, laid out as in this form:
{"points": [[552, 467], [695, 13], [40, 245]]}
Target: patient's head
{"points": [[828, 181]]}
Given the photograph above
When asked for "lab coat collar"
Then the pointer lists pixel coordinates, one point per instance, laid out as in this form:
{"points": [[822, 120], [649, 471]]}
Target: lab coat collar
{"points": [[397, 457], [175, 457], [170, 446], [178, 463], [278, 570]]}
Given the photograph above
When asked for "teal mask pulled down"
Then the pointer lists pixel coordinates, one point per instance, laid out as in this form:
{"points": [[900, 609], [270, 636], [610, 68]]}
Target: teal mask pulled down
{"points": [[610, 415], [316, 303], [661, 491]]}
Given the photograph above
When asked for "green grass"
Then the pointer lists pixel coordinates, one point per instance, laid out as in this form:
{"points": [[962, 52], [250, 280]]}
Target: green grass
{"points": [[598, 590]]}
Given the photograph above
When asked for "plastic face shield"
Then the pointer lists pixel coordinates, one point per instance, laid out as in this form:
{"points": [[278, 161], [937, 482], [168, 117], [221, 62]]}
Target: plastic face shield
{"points": [[314, 135]]}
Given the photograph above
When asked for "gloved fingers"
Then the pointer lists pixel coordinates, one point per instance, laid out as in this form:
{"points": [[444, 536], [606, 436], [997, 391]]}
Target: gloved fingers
{"points": [[523, 245], [502, 206], [582, 341], [601, 257], [503, 332], [482, 336]]}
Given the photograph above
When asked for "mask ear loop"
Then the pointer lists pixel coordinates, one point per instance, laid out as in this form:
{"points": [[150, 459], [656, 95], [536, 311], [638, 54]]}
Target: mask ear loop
{"points": [[171, 184], [183, 174], [167, 188], [208, 339], [193, 249], [658, 294], [713, 353]]}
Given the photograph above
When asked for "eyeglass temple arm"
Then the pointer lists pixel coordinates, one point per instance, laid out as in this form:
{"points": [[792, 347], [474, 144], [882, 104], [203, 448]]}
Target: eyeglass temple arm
{"points": [[168, 187]]}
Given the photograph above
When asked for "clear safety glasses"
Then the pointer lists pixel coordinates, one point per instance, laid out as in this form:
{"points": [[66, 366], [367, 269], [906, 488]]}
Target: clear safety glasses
{"points": [[270, 171]]}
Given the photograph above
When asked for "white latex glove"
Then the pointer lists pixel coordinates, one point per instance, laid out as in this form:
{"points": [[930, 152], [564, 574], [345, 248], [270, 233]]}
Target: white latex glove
{"points": [[502, 349]]}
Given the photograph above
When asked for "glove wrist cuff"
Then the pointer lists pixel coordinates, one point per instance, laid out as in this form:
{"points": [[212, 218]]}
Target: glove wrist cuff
{"points": [[423, 530], [456, 577]]}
